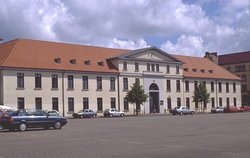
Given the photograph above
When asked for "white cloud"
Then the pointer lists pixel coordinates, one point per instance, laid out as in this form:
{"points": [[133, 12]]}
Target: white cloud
{"points": [[137, 44]]}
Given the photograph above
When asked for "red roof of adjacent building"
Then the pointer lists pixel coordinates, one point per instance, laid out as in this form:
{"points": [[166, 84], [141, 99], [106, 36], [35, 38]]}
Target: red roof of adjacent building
{"points": [[234, 58]]}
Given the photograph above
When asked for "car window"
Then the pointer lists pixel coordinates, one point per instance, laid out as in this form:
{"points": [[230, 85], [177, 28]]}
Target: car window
{"points": [[40, 113]]}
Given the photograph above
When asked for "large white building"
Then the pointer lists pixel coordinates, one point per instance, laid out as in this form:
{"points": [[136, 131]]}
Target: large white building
{"points": [[68, 77]]}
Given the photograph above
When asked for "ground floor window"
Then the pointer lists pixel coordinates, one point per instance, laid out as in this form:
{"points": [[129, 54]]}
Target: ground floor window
{"points": [[125, 102], [169, 103], [187, 102], [212, 102], [71, 104], [235, 101], [179, 102], [112, 100], [220, 101], [85, 103], [99, 104], [38, 103], [55, 104], [20, 103]]}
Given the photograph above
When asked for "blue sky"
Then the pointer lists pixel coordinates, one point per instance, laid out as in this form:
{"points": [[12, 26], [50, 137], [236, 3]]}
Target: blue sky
{"points": [[188, 27]]}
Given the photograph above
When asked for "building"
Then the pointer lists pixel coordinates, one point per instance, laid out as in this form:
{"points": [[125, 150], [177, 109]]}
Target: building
{"points": [[69, 77]]}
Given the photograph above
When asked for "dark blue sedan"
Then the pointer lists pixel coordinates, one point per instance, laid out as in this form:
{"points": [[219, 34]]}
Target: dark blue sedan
{"points": [[30, 118]]}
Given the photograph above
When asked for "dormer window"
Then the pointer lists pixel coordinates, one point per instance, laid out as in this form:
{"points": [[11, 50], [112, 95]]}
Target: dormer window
{"points": [[194, 70], [72, 61], [87, 62], [185, 69], [202, 70], [211, 71], [100, 63], [58, 60]]}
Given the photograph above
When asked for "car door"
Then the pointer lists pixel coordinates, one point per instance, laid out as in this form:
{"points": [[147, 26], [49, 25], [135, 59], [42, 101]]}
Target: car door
{"points": [[41, 119]]}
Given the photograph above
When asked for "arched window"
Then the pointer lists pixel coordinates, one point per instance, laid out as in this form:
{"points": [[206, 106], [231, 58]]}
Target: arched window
{"points": [[153, 86]]}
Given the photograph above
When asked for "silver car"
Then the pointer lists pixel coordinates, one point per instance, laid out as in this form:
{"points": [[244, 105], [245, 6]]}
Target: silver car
{"points": [[113, 112]]}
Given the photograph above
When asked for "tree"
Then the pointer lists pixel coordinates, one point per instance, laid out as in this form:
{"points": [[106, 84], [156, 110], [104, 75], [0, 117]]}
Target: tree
{"points": [[201, 95], [137, 95]]}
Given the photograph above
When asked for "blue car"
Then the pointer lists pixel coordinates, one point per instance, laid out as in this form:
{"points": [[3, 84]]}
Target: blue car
{"points": [[30, 118]]}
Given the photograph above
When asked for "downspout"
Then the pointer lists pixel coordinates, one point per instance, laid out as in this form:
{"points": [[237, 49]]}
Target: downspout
{"points": [[118, 88], [216, 93], [63, 93]]}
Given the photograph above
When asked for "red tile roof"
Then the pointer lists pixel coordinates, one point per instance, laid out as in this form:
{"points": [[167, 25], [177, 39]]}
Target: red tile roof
{"points": [[234, 58], [203, 68]]}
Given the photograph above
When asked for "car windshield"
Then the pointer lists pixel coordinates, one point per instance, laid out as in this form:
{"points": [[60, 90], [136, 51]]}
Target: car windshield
{"points": [[80, 111]]}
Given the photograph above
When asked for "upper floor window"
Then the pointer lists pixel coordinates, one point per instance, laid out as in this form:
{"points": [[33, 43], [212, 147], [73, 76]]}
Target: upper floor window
{"points": [[54, 81], [168, 85], [212, 86], [99, 82], [186, 86], [85, 82], [112, 83], [244, 88], [125, 66], [195, 85], [152, 67], [125, 83], [229, 68], [177, 69], [148, 67], [137, 80], [234, 87], [167, 69], [20, 80], [157, 67], [244, 77], [70, 82], [38, 81], [178, 85], [136, 67], [227, 87], [220, 88]]}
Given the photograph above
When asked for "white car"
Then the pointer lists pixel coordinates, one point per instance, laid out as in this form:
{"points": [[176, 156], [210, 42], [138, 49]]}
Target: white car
{"points": [[183, 110], [217, 110], [113, 112]]}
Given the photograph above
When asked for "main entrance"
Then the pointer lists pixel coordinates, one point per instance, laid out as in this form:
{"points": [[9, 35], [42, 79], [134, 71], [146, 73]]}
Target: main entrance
{"points": [[154, 98]]}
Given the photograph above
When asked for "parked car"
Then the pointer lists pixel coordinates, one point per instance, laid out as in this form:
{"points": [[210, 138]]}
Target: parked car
{"points": [[245, 108], [113, 112], [183, 110], [53, 113], [233, 109], [30, 118], [217, 110], [85, 113]]}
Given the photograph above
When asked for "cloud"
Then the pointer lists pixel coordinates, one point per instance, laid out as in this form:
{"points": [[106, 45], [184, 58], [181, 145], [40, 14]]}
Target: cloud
{"points": [[139, 43]]}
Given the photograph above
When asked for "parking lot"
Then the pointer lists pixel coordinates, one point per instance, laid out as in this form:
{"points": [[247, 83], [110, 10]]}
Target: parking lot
{"points": [[200, 135]]}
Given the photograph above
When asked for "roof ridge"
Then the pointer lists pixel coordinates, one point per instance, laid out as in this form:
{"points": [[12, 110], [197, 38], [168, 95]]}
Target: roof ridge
{"points": [[16, 40]]}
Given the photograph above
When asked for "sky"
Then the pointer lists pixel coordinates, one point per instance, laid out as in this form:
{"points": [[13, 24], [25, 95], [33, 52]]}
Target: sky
{"points": [[187, 27]]}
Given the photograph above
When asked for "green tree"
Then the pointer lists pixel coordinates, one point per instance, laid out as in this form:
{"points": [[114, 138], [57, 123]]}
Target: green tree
{"points": [[137, 95], [201, 95]]}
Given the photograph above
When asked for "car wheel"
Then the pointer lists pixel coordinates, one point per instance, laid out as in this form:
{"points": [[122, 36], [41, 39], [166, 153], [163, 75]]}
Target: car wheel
{"points": [[181, 113], [192, 113], [22, 127], [110, 115], [94, 116], [122, 115], [57, 125]]}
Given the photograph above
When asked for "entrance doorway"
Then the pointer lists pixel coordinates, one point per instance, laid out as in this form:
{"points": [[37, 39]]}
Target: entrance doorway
{"points": [[154, 105]]}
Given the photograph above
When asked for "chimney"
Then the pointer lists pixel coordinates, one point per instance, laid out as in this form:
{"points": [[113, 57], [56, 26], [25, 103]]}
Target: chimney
{"points": [[212, 56]]}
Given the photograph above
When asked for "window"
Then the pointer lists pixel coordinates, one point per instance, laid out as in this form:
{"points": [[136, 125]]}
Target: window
{"points": [[169, 85], [167, 69], [157, 67], [187, 86], [177, 69], [125, 83], [99, 83], [38, 103], [204, 83], [220, 101], [244, 77], [20, 103], [54, 81], [71, 104], [195, 85], [244, 88], [136, 67], [124, 66], [20, 80], [169, 103], [178, 86], [220, 89], [99, 104], [85, 103], [137, 80], [85, 83], [152, 67], [227, 87], [178, 102], [112, 83], [148, 67], [70, 82], [55, 104], [38, 81], [125, 102], [196, 105], [234, 87], [212, 102], [112, 101], [228, 68], [235, 102], [188, 102], [212, 86], [228, 103]]}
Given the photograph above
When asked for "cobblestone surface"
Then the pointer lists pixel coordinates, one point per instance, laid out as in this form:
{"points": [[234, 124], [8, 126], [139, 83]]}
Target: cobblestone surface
{"points": [[206, 136]]}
